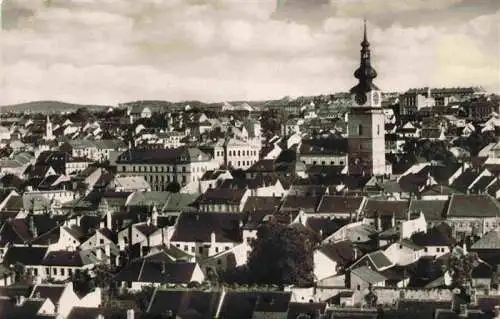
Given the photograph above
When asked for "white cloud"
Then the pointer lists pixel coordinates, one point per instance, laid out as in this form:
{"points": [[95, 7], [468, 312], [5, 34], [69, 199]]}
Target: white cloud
{"points": [[98, 51]]}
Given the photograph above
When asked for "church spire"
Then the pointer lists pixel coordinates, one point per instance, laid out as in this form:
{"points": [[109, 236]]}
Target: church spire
{"points": [[365, 73]]}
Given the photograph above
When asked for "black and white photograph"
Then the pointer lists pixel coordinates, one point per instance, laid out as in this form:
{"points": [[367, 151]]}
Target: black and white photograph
{"points": [[250, 159]]}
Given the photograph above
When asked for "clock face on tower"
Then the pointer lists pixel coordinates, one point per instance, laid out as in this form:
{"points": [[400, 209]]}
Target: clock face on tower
{"points": [[360, 98]]}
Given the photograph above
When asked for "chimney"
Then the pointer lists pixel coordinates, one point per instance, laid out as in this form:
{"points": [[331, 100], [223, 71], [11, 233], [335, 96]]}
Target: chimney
{"points": [[32, 226], [109, 220], [212, 239], [163, 267], [130, 314], [154, 216]]}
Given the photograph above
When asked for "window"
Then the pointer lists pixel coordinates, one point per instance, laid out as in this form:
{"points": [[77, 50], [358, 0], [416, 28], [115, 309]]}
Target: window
{"points": [[54, 271], [425, 249], [192, 249], [219, 262], [186, 247], [358, 287], [70, 272], [378, 129], [47, 271], [124, 168], [62, 272], [216, 249], [200, 249], [101, 241], [227, 247], [360, 129]]}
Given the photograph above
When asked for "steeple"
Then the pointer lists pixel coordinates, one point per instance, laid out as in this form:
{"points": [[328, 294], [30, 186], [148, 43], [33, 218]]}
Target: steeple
{"points": [[365, 73]]}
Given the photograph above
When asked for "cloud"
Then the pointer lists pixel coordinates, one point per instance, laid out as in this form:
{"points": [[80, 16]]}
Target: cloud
{"points": [[110, 51]]}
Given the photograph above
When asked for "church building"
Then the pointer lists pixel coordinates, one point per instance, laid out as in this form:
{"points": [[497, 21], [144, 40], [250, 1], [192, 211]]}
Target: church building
{"points": [[365, 127]]}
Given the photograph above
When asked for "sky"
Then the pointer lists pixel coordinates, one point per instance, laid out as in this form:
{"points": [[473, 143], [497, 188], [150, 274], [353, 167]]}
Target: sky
{"points": [[112, 51]]}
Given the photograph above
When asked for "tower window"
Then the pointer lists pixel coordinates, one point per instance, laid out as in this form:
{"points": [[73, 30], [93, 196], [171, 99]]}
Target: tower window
{"points": [[378, 129], [360, 129]]}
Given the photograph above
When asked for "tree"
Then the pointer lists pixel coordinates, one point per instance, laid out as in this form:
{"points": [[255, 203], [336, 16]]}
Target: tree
{"points": [[173, 187], [461, 265], [83, 283], [281, 255]]}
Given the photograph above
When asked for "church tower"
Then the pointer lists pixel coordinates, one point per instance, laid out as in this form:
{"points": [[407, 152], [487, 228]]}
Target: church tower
{"points": [[48, 129], [366, 120]]}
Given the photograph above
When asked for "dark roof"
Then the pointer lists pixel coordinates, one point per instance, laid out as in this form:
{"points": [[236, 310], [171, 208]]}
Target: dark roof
{"points": [[311, 310], [146, 229], [296, 203], [433, 209], [222, 196], [244, 305], [53, 292], [28, 310], [341, 252], [439, 235], [386, 208], [481, 184], [196, 304], [478, 206], [325, 226], [152, 271], [25, 255], [331, 204], [198, 227], [183, 154], [464, 180], [262, 204], [67, 258]]}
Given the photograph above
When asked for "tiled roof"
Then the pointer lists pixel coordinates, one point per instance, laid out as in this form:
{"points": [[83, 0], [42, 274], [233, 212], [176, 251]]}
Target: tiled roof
{"points": [[436, 236], [69, 258], [386, 208], [246, 305], [185, 303], [368, 275], [341, 252], [151, 271], [432, 209], [25, 255], [477, 206], [331, 204], [491, 240], [53, 292], [198, 227], [222, 196], [179, 155], [262, 204]]}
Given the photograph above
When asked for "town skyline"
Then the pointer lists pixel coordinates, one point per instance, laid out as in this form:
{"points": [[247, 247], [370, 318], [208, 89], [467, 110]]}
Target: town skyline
{"points": [[233, 50]]}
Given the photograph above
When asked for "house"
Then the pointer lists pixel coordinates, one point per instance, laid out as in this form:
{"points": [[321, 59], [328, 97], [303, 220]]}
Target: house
{"points": [[27, 308], [122, 183], [212, 179], [149, 271], [314, 155], [31, 257], [97, 150], [437, 241], [346, 207], [103, 243], [183, 165], [206, 234], [265, 186], [468, 214], [139, 233], [64, 298], [255, 304], [329, 259], [403, 252], [224, 200], [60, 265], [185, 303]]}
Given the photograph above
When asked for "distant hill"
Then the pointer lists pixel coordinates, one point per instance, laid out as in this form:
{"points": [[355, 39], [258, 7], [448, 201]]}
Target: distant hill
{"points": [[48, 107]]}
